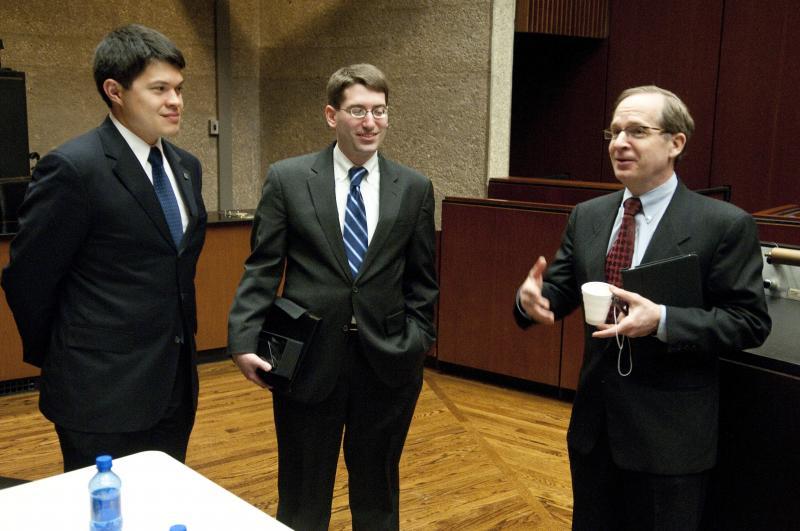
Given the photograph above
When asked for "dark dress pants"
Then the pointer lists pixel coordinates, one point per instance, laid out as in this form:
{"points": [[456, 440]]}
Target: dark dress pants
{"points": [[169, 435], [606, 497], [374, 419]]}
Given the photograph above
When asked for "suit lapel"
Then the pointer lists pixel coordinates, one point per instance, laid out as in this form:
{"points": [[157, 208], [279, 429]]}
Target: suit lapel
{"points": [[132, 176], [388, 206], [597, 245], [671, 234], [322, 188]]}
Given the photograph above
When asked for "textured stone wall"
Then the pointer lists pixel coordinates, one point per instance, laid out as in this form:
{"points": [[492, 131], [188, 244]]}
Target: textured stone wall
{"points": [[245, 29], [53, 42], [436, 55]]}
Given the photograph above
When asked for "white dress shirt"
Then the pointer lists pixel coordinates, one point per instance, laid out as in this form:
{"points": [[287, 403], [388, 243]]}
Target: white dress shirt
{"points": [[370, 188], [141, 150]]}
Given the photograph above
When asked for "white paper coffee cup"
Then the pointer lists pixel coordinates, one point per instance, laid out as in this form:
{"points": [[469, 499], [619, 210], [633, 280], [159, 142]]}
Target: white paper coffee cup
{"points": [[596, 302]]}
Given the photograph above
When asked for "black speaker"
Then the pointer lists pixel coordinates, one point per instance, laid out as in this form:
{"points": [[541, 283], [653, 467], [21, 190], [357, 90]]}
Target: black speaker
{"points": [[13, 125]]}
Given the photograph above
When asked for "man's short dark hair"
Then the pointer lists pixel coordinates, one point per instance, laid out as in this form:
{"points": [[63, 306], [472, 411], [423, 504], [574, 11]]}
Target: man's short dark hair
{"points": [[360, 74], [125, 52]]}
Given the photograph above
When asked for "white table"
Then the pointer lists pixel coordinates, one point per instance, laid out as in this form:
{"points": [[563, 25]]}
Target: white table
{"points": [[157, 492]]}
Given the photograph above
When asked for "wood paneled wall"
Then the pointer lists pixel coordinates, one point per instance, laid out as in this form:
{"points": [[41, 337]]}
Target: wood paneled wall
{"points": [[732, 61], [558, 106], [579, 18], [758, 109], [488, 246]]}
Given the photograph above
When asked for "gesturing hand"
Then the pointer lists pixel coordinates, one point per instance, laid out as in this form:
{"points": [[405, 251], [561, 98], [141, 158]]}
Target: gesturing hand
{"points": [[530, 294]]}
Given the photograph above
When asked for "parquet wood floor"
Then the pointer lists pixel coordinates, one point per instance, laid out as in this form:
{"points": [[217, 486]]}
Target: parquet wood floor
{"points": [[478, 456]]}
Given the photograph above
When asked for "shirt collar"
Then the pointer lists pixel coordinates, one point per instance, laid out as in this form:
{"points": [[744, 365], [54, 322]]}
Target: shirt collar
{"points": [[344, 164], [655, 199], [139, 147]]}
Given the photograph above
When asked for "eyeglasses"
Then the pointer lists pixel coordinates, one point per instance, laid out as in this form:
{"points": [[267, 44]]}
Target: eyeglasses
{"points": [[360, 112], [634, 131]]}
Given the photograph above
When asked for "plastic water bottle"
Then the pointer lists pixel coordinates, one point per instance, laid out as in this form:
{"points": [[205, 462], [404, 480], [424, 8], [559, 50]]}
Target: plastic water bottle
{"points": [[104, 489]]}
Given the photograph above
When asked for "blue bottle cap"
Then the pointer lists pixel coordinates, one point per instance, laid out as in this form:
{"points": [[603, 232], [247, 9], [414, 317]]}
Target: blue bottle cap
{"points": [[103, 463], [178, 527]]}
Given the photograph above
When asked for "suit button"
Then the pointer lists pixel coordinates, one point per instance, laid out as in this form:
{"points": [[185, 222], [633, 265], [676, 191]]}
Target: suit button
{"points": [[345, 328], [178, 339], [355, 289]]}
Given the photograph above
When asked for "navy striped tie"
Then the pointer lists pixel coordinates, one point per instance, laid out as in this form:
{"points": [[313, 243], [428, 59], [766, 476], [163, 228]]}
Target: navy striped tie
{"points": [[169, 204], [355, 221]]}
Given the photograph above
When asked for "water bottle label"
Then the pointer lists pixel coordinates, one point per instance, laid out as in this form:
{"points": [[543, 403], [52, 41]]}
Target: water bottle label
{"points": [[106, 510]]}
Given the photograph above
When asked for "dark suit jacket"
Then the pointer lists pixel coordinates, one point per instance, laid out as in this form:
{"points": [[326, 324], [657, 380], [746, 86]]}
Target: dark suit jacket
{"points": [[663, 417], [392, 298], [102, 297]]}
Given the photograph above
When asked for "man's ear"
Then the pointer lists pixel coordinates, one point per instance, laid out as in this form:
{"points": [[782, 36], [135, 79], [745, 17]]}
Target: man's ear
{"points": [[330, 116], [678, 143], [113, 90]]}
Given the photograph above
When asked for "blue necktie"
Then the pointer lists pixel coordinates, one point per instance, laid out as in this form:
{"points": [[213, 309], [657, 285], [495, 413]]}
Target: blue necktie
{"points": [[165, 195], [355, 221]]}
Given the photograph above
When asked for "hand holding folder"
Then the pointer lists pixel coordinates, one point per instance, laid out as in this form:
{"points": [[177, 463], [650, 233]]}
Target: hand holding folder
{"points": [[674, 281]]}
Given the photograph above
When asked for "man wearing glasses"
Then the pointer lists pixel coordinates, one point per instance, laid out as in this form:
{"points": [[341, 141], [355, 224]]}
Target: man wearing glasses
{"points": [[355, 234], [642, 440]]}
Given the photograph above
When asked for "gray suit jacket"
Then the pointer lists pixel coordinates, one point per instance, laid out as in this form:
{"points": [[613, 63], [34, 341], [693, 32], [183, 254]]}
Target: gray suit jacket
{"points": [[663, 418], [297, 227]]}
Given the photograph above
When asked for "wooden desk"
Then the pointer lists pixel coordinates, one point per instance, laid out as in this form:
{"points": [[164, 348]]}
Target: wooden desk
{"points": [[488, 246], [219, 270], [11, 365], [779, 224]]}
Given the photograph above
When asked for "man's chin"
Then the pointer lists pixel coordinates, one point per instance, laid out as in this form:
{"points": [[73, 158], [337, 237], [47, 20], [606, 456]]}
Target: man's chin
{"points": [[368, 149], [171, 131]]}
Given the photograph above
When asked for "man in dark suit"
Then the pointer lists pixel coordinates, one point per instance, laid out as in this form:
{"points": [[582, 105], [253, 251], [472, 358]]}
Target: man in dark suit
{"points": [[101, 276], [363, 372], [643, 432]]}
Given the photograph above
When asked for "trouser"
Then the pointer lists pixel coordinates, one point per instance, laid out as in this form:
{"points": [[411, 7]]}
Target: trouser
{"points": [[374, 420], [606, 497], [169, 435]]}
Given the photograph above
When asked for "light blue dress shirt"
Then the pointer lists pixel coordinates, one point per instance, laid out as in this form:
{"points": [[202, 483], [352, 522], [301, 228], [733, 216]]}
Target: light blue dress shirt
{"points": [[654, 204]]}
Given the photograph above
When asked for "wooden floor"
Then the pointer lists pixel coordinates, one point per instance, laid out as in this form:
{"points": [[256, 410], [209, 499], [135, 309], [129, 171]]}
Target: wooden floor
{"points": [[478, 456]]}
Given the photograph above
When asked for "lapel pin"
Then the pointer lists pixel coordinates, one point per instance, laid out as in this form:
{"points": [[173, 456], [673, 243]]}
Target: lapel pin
{"points": [[186, 175]]}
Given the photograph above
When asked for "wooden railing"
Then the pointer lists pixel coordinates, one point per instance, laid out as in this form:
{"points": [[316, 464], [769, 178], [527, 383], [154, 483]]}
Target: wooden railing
{"points": [[568, 191]]}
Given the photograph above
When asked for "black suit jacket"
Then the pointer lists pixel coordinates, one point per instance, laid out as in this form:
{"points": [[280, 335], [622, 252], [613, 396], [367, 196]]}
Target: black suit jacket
{"points": [[663, 417], [393, 296], [102, 297]]}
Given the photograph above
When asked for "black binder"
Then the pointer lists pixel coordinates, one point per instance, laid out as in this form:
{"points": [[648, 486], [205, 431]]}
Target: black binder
{"points": [[287, 333], [674, 281]]}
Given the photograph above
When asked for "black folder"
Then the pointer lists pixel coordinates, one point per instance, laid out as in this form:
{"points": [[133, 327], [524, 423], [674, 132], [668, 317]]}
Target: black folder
{"points": [[287, 333], [673, 281]]}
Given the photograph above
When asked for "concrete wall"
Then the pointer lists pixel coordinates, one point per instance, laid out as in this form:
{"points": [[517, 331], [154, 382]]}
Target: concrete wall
{"points": [[442, 61], [436, 55], [53, 42]]}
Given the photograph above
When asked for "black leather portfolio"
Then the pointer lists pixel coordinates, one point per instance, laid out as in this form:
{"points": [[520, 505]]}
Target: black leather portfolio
{"points": [[284, 339], [674, 281]]}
